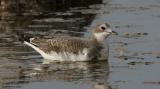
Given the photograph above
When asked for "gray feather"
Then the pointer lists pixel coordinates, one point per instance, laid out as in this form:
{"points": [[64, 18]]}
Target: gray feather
{"points": [[61, 44]]}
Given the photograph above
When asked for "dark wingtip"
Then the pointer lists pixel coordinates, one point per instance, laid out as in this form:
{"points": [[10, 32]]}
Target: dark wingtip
{"points": [[23, 37]]}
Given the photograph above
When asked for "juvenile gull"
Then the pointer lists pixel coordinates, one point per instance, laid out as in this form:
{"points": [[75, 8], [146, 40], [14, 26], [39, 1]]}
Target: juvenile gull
{"points": [[74, 48]]}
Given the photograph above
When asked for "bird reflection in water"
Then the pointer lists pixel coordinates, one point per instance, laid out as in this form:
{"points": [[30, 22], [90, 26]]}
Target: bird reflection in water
{"points": [[95, 73]]}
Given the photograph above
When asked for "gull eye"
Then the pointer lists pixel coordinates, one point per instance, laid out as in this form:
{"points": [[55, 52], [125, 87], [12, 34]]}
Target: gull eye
{"points": [[103, 28]]}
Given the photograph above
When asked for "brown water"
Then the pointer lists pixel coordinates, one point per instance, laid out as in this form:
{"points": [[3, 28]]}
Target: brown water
{"points": [[134, 53]]}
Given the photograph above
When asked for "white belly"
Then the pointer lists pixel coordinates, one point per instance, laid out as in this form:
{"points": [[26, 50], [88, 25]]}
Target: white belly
{"points": [[66, 56]]}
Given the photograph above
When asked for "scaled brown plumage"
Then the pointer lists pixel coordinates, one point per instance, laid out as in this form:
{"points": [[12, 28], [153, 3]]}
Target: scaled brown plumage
{"points": [[61, 44]]}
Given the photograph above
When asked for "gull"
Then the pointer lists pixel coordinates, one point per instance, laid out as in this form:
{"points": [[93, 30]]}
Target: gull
{"points": [[67, 48]]}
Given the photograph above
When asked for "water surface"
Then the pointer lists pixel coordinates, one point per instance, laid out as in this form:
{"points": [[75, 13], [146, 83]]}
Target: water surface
{"points": [[134, 53]]}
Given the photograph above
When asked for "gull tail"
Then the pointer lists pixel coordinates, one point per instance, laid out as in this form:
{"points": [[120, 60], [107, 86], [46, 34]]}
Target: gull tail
{"points": [[26, 39], [35, 48]]}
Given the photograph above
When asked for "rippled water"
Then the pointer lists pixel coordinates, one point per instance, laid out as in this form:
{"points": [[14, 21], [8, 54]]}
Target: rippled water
{"points": [[134, 53]]}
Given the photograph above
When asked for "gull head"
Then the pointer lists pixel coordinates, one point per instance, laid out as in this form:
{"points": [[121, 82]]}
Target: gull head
{"points": [[102, 31]]}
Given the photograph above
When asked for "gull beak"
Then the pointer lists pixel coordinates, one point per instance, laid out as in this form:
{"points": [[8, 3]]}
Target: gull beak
{"points": [[114, 33]]}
